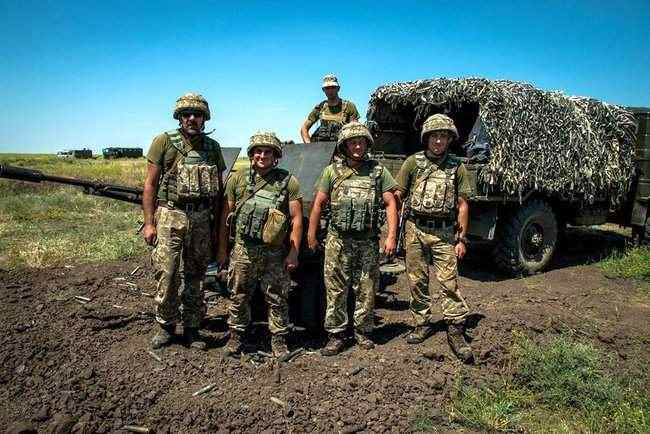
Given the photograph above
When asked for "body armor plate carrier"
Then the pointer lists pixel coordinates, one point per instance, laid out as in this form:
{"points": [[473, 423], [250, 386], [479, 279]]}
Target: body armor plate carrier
{"points": [[355, 200], [259, 217], [434, 190], [194, 175]]}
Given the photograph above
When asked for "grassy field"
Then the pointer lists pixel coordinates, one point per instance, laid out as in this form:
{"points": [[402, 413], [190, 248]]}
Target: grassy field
{"points": [[48, 224], [562, 386]]}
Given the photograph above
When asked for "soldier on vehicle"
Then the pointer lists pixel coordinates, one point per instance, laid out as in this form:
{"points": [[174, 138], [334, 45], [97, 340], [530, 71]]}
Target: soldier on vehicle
{"points": [[180, 216], [436, 187], [357, 188], [333, 113], [262, 205]]}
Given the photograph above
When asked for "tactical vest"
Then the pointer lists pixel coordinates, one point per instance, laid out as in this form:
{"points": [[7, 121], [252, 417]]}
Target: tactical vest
{"points": [[252, 215], [355, 199], [194, 175], [330, 123], [434, 189]]}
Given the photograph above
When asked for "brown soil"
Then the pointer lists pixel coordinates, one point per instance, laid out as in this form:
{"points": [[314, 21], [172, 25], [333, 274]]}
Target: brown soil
{"points": [[87, 367]]}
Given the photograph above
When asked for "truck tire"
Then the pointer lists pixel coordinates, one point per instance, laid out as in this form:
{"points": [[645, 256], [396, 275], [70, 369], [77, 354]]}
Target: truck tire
{"points": [[526, 239]]}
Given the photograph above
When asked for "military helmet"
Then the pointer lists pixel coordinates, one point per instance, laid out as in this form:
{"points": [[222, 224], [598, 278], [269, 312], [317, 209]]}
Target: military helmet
{"points": [[330, 80], [192, 101], [265, 138], [353, 129], [439, 122]]}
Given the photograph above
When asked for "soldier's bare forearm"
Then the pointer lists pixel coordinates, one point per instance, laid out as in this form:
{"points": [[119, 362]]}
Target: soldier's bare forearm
{"points": [[463, 217], [304, 133], [391, 214]]}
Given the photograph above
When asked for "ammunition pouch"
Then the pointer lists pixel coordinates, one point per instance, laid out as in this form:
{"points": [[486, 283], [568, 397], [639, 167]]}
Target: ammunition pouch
{"points": [[251, 220], [355, 201], [259, 218], [326, 132], [434, 191], [192, 176], [353, 215], [195, 181]]}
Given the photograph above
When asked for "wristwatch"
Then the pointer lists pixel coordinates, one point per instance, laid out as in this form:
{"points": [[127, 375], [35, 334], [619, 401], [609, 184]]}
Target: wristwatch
{"points": [[463, 240]]}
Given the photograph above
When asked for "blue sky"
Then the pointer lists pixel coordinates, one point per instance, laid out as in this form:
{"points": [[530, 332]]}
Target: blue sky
{"points": [[107, 73]]}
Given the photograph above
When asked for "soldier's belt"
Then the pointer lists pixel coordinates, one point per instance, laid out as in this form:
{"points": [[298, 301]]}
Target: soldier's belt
{"points": [[432, 223], [186, 206]]}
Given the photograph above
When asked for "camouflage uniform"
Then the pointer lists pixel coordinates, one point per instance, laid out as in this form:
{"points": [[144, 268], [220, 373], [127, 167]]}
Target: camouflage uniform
{"points": [[181, 236], [433, 188], [252, 262], [332, 118], [187, 195], [351, 247]]}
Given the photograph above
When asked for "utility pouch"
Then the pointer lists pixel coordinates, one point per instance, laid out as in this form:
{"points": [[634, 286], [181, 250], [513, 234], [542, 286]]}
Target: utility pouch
{"points": [[276, 228], [251, 219]]}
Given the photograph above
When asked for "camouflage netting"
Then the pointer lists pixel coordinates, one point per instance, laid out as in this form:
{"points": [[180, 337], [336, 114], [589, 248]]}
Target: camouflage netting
{"points": [[571, 146]]}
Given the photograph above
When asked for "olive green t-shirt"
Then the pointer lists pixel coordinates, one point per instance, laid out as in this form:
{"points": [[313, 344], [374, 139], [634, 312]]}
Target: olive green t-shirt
{"points": [[327, 178], [349, 111], [162, 153], [237, 184], [409, 170]]}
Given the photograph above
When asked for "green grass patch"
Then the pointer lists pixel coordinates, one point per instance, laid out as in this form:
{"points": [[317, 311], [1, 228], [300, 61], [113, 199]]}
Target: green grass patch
{"points": [[632, 263], [65, 227], [561, 386]]}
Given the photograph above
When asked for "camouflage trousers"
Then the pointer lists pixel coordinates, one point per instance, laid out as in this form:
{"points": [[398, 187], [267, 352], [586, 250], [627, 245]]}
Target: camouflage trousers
{"points": [[354, 263], [182, 252], [426, 250], [250, 265]]}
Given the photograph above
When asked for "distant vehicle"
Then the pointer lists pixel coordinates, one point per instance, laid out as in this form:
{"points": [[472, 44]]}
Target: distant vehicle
{"points": [[115, 152], [75, 153]]}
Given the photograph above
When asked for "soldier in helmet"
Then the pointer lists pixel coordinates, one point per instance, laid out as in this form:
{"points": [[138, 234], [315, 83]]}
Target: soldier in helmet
{"points": [[356, 188], [264, 216], [181, 202], [333, 113], [437, 188]]}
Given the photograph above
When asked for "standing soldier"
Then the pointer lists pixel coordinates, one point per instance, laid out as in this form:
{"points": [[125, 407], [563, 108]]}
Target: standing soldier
{"points": [[262, 205], [333, 113], [437, 188], [357, 187], [181, 201]]}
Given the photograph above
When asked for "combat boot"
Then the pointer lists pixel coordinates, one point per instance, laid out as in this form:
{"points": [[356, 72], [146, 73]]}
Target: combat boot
{"points": [[458, 343], [235, 343], [163, 337], [194, 339], [279, 345], [419, 334], [334, 345], [364, 341]]}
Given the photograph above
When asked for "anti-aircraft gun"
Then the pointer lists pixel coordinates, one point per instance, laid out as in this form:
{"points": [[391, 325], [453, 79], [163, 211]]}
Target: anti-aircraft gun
{"points": [[95, 188]]}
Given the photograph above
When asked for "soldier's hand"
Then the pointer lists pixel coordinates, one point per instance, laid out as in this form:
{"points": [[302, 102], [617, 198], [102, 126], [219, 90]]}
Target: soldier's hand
{"points": [[291, 261], [389, 246], [460, 249], [312, 242], [149, 234]]}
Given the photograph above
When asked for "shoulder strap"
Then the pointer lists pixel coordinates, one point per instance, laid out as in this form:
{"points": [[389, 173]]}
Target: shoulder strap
{"points": [[176, 141], [341, 176], [425, 168], [250, 192], [282, 193]]}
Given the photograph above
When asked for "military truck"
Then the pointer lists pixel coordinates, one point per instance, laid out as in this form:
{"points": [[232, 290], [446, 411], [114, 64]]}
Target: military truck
{"points": [[538, 160], [75, 153], [117, 152]]}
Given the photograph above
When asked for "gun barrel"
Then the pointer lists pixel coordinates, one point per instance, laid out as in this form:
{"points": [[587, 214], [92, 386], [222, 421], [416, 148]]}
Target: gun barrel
{"points": [[20, 173], [118, 192]]}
